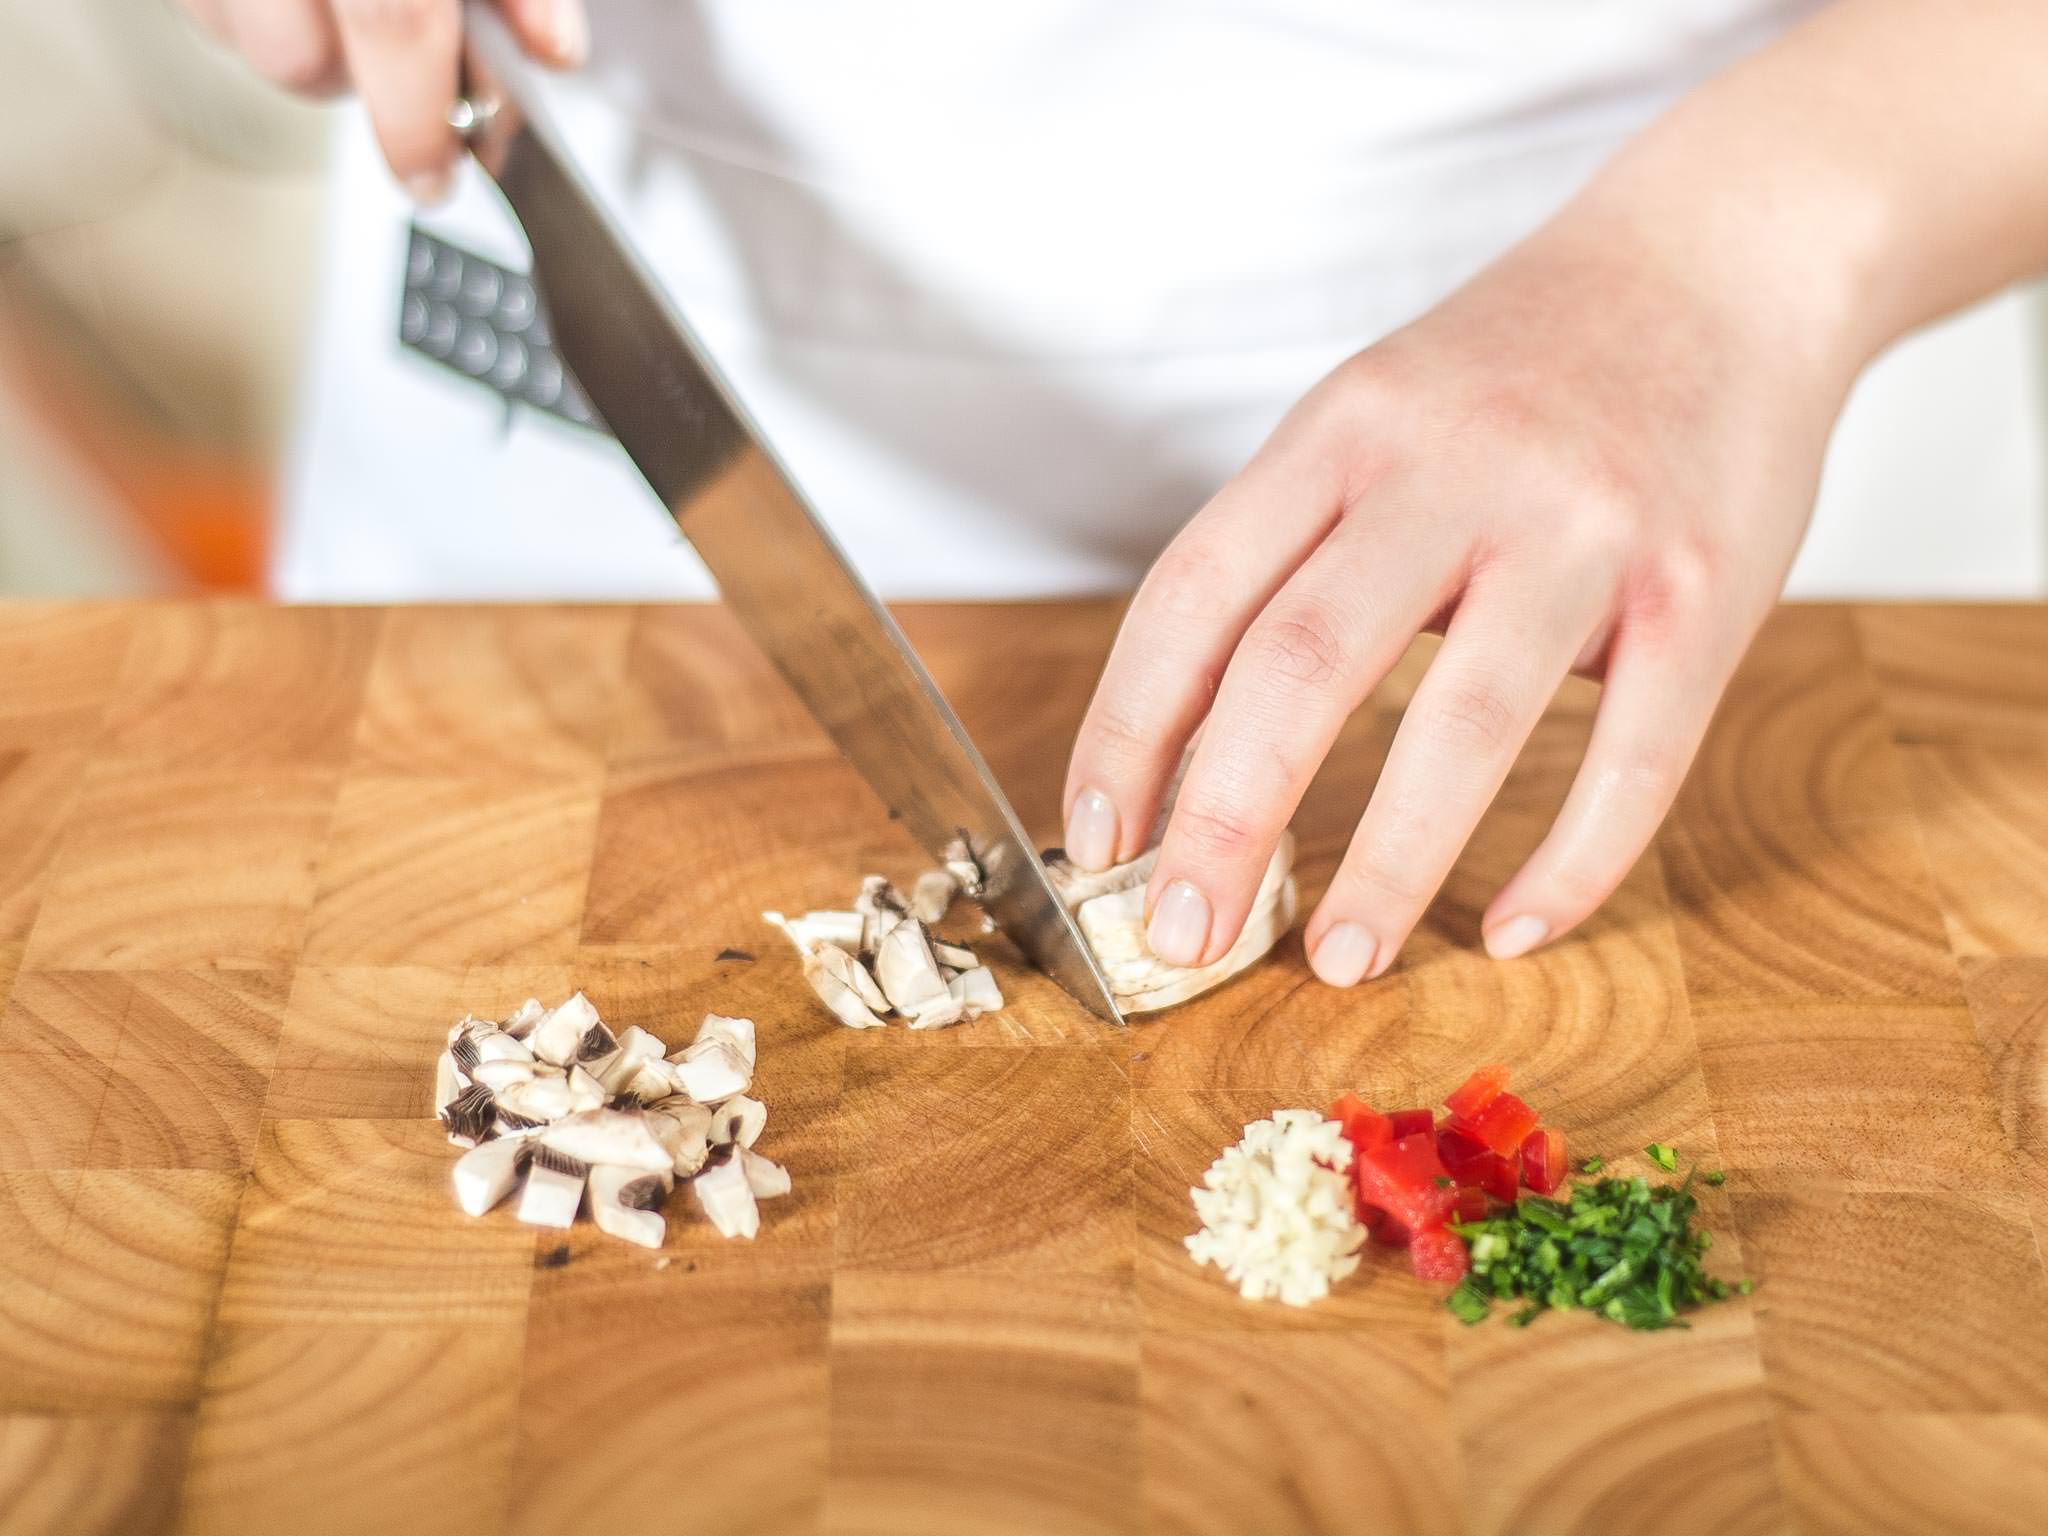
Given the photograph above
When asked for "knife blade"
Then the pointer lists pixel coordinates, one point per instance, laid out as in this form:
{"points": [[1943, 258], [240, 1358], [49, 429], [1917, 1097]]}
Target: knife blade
{"points": [[777, 568]]}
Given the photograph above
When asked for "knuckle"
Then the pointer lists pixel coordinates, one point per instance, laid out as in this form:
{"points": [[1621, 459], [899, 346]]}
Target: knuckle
{"points": [[1303, 646], [1473, 714], [1217, 834], [1121, 741], [1679, 584], [1192, 581]]}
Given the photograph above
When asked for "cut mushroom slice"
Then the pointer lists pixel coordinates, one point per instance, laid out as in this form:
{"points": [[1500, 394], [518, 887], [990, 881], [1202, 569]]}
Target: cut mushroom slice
{"points": [[766, 1179], [558, 1038], [907, 969], [841, 982], [711, 1070], [931, 898], [637, 1048], [615, 1137], [528, 1014], [739, 1119], [448, 1082], [737, 1033], [618, 1204], [684, 1130], [538, 1100], [585, 1092], [728, 1199], [500, 1075], [488, 1172], [976, 991], [937, 1012], [954, 957], [499, 1046], [551, 1196], [846, 929]]}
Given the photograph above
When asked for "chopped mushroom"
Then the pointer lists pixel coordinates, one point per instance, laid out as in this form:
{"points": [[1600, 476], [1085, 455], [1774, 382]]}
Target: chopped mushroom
{"points": [[521, 1024], [902, 968], [765, 1178], [976, 991], [842, 983], [728, 1199], [615, 1196], [932, 896], [618, 1137], [551, 1196], [615, 1121], [558, 1038], [739, 1119], [907, 968], [486, 1173]]}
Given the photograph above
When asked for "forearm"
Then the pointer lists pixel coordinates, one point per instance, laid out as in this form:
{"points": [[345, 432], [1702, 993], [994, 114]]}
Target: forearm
{"points": [[1881, 165]]}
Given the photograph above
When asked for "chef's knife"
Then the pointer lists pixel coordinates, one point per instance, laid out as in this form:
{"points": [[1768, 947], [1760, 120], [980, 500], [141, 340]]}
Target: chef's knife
{"points": [[778, 570]]}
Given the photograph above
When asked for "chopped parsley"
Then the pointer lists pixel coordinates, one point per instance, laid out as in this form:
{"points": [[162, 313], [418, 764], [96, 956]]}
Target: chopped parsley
{"points": [[1713, 1176], [1664, 1157], [1593, 1165], [1620, 1247]]}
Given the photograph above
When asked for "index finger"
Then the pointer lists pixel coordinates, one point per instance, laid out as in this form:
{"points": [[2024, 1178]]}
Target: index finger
{"points": [[402, 55]]}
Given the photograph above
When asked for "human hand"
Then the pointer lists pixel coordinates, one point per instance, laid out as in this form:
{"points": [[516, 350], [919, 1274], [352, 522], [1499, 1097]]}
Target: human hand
{"points": [[401, 55], [1578, 462]]}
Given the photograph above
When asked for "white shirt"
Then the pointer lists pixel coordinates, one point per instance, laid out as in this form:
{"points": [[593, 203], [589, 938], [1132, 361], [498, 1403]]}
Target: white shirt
{"points": [[1013, 286]]}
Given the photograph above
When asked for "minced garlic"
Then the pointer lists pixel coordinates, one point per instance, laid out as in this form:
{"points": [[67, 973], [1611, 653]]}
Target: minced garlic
{"points": [[1277, 1212]]}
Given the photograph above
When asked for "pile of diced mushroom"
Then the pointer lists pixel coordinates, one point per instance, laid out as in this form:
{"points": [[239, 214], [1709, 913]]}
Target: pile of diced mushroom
{"points": [[882, 957], [552, 1103]]}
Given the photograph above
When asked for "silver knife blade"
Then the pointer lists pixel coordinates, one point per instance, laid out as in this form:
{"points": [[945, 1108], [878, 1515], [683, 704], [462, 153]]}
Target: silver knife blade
{"points": [[776, 566]]}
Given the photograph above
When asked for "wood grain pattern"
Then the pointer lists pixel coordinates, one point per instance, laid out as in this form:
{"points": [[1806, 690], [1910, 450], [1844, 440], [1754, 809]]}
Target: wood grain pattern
{"points": [[254, 861]]}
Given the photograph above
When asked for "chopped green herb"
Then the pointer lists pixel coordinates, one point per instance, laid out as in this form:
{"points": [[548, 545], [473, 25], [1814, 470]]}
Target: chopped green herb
{"points": [[1443, 1181], [1715, 1177], [1622, 1248], [1664, 1157], [1593, 1165]]}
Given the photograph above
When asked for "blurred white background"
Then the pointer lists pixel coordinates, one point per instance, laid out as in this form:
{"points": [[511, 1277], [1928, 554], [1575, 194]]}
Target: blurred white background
{"points": [[161, 218]]}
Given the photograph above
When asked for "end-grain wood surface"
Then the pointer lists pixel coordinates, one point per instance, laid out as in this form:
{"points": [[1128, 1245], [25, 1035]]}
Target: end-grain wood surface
{"points": [[253, 861]]}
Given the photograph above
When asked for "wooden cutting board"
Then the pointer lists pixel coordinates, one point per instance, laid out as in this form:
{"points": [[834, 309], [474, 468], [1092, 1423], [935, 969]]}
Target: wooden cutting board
{"points": [[253, 861]]}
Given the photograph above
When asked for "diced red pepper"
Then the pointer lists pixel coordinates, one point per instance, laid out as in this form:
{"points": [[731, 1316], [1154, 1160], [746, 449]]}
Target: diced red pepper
{"points": [[1389, 1233], [1464, 1159], [1472, 1204], [1477, 1091], [1543, 1164], [1503, 1178], [1503, 1125], [1411, 1122], [1439, 1257], [1363, 1125], [1406, 1179]]}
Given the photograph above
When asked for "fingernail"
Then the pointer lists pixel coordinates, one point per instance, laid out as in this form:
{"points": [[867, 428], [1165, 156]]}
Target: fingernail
{"points": [[1179, 929], [572, 34], [427, 187], [1344, 955], [1516, 936], [1091, 830]]}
